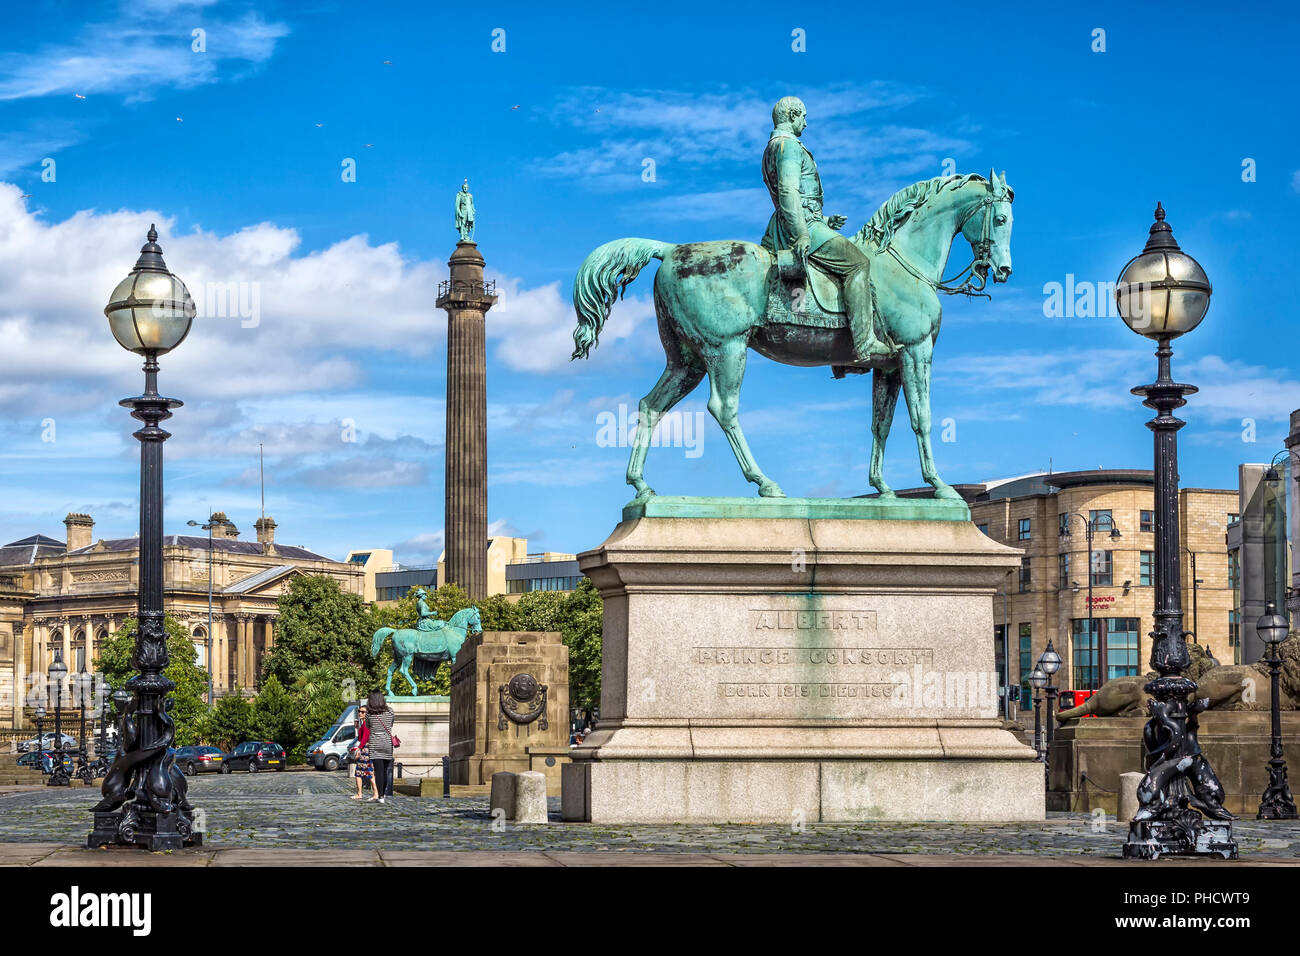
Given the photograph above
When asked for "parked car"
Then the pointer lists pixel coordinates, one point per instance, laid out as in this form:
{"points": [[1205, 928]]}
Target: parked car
{"points": [[197, 760], [47, 742], [331, 751], [44, 761], [254, 756]]}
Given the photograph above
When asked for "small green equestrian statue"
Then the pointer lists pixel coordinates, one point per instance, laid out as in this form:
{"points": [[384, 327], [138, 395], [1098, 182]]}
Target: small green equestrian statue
{"points": [[807, 296], [428, 644]]}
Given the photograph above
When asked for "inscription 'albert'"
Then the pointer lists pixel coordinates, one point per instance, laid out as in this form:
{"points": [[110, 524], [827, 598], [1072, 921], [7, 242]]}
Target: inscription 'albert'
{"points": [[815, 620]]}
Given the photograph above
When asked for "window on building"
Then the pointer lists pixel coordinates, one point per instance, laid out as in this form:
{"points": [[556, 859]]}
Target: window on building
{"points": [[983, 528], [1026, 655], [1121, 637], [1146, 568], [1024, 575], [1063, 523], [1234, 629], [1101, 519], [1121, 647], [1234, 569], [1025, 531], [1147, 521], [1233, 517], [360, 558], [1063, 569], [1101, 567], [1084, 643]]}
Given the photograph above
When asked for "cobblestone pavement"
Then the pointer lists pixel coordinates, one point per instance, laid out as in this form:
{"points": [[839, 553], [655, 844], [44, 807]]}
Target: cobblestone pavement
{"points": [[311, 811]]}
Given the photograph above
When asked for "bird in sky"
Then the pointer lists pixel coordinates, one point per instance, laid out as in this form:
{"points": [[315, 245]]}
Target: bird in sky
{"points": [[515, 107], [319, 125], [388, 63], [368, 145], [78, 96], [25, 196], [179, 120]]}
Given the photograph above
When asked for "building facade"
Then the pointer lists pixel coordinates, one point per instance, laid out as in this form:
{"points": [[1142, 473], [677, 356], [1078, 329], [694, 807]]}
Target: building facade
{"points": [[68, 596], [1047, 516], [512, 571]]}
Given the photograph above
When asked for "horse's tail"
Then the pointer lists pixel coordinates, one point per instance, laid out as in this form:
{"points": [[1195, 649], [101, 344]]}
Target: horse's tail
{"points": [[378, 641], [600, 281]]}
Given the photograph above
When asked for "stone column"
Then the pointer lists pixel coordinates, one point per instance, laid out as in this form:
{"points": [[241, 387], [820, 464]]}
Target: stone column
{"points": [[241, 650], [20, 673], [65, 629], [466, 300]]}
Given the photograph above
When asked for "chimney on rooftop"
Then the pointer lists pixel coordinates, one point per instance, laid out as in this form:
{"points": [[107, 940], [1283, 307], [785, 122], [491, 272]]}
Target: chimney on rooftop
{"points": [[80, 530], [223, 527], [265, 533]]}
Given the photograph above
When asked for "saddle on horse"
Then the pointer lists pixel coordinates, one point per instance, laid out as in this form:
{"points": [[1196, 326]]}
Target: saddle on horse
{"points": [[812, 298]]}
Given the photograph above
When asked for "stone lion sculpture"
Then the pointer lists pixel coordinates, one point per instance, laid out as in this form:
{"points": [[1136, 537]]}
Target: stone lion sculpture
{"points": [[1230, 687]]}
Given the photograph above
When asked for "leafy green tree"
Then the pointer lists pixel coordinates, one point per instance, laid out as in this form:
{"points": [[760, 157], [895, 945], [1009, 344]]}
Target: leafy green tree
{"points": [[230, 721], [582, 626], [190, 696], [274, 714], [321, 624], [321, 699]]}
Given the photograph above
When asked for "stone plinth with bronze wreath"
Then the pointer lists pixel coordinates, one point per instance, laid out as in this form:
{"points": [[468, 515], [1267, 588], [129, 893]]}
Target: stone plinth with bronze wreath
{"points": [[509, 707]]}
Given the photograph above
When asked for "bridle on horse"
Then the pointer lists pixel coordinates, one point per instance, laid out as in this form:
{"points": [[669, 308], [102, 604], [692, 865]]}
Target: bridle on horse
{"points": [[973, 284]]}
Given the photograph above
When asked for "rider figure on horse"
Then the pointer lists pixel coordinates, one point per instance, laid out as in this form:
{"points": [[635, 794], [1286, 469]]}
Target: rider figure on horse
{"points": [[798, 224], [428, 619]]}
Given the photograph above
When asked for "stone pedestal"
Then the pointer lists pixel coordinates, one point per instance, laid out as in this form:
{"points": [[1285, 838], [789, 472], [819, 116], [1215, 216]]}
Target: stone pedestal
{"points": [[1090, 754], [509, 707], [422, 725], [837, 666]]}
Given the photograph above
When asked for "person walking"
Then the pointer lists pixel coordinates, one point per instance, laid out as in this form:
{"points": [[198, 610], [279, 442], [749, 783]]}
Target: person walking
{"points": [[364, 768], [379, 722]]}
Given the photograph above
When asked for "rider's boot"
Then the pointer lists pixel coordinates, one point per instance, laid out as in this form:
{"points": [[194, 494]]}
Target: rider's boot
{"points": [[861, 311]]}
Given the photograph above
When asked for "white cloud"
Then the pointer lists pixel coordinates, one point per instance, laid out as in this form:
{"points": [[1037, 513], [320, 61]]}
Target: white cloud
{"points": [[147, 49]]}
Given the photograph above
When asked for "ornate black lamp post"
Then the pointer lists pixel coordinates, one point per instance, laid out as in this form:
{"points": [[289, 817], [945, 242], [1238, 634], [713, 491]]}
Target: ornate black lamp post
{"points": [[57, 674], [1163, 293], [1098, 650], [1038, 680], [82, 697], [101, 765], [40, 737], [144, 801], [1276, 803], [1050, 662]]}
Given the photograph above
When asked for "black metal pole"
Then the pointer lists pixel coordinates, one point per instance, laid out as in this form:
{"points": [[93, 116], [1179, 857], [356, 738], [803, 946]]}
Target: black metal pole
{"points": [[1277, 802], [60, 776], [144, 802], [1038, 724], [1179, 781], [1092, 627]]}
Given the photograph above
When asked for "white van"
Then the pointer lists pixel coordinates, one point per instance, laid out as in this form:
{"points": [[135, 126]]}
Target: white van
{"points": [[331, 751]]}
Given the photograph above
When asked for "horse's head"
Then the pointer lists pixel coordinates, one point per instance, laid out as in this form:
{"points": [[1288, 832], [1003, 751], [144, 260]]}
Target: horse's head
{"points": [[987, 227]]}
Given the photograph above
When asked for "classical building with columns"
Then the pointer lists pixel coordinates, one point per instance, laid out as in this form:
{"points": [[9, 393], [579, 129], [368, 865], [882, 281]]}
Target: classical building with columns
{"points": [[70, 595]]}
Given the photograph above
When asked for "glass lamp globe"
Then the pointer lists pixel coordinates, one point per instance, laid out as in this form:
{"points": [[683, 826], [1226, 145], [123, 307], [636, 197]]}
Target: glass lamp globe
{"points": [[1163, 292], [1272, 627], [1037, 678], [150, 311], [1050, 662]]}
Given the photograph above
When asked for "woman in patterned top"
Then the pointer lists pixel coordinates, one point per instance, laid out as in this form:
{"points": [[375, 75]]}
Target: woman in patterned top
{"points": [[364, 769], [379, 723]]}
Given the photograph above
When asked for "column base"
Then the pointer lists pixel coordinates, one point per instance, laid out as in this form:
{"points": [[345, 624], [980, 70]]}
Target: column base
{"points": [[1184, 836], [147, 830]]}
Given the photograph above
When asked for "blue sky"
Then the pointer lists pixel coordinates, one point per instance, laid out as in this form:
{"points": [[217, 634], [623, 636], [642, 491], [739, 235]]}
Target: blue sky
{"points": [[337, 361]]}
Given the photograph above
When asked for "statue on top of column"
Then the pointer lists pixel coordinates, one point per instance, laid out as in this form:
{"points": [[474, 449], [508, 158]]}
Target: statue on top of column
{"points": [[465, 213]]}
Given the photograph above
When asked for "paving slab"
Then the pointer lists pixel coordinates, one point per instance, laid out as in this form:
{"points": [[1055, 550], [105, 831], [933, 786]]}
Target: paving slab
{"points": [[633, 858], [291, 857], [25, 854], [465, 858], [124, 857]]}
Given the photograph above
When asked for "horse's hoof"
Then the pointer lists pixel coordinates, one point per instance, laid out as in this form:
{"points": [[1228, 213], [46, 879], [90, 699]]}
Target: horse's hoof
{"points": [[770, 489], [885, 494], [946, 492], [643, 494]]}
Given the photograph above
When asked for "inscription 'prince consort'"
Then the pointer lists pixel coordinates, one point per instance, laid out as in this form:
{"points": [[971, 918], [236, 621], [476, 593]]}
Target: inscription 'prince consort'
{"points": [[778, 656]]}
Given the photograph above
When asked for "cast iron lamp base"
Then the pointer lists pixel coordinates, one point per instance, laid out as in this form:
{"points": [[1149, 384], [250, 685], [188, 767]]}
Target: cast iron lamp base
{"points": [[152, 831]]}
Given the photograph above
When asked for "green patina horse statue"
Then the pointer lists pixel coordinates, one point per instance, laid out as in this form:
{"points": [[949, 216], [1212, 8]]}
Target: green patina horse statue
{"points": [[716, 300], [426, 649]]}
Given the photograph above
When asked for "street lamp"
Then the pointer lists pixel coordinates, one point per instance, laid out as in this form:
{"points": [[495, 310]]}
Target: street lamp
{"points": [[1098, 644], [144, 802], [1038, 680], [1276, 803], [208, 528], [1050, 662], [1163, 293], [57, 673], [40, 737]]}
